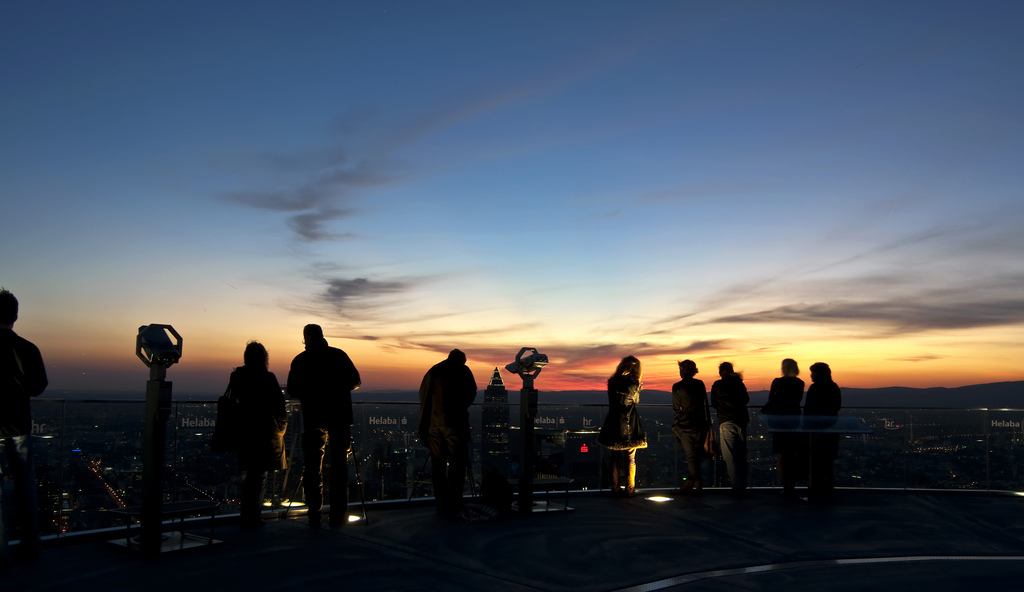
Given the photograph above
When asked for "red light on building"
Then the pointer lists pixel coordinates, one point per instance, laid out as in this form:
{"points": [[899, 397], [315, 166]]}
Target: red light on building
{"points": [[584, 448]]}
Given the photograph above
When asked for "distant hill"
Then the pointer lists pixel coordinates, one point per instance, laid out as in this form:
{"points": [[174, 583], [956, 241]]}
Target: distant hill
{"points": [[994, 395]]}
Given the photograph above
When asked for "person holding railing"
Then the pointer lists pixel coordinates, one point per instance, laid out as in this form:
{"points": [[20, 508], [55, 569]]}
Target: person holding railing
{"points": [[622, 431], [262, 422], [729, 397]]}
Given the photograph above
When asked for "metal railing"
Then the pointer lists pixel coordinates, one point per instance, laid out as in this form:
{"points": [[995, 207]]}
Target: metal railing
{"points": [[89, 454]]}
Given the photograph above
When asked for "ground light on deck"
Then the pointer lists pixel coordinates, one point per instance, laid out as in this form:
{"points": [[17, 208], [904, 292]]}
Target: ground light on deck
{"points": [[659, 498]]}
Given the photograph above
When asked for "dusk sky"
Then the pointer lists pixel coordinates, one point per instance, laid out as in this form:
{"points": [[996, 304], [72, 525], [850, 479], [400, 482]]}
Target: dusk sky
{"points": [[743, 181]]}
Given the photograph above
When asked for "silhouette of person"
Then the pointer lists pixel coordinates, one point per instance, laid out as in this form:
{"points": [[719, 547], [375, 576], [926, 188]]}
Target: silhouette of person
{"points": [[263, 420], [22, 376], [692, 422], [824, 398], [322, 378], [447, 391], [729, 397], [622, 431], [784, 397]]}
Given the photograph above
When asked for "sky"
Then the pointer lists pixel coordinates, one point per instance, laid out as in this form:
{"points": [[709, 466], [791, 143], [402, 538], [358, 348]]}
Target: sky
{"points": [[720, 181]]}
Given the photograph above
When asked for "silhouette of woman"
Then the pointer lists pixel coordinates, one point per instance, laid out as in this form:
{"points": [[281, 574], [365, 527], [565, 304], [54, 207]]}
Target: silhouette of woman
{"points": [[622, 431], [824, 398], [263, 421], [784, 398]]}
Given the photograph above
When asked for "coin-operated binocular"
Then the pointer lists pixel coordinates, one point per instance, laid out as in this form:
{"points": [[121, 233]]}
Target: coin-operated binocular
{"points": [[527, 368], [154, 347]]}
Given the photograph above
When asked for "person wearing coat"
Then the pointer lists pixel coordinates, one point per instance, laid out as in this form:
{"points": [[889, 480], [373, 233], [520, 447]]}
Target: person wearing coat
{"points": [[622, 431], [263, 420], [322, 378], [784, 397], [22, 376], [729, 397], [824, 398], [447, 391], [691, 423]]}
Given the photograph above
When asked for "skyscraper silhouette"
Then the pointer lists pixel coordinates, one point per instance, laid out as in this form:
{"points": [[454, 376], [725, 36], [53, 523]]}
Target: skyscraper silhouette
{"points": [[494, 443]]}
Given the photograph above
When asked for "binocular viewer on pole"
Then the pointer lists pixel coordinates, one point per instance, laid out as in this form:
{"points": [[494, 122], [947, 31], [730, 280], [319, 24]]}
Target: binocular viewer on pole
{"points": [[527, 368]]}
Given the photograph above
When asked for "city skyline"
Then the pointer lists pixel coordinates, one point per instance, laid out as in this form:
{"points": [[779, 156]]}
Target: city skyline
{"points": [[742, 182]]}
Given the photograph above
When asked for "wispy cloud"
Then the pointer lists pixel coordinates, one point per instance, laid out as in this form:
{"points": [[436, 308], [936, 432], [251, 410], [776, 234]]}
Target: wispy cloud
{"points": [[925, 311], [311, 225], [350, 295], [589, 354], [921, 358], [323, 186]]}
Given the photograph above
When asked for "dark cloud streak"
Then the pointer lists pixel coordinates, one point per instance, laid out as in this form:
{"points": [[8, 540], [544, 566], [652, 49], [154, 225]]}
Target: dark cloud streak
{"points": [[925, 312]]}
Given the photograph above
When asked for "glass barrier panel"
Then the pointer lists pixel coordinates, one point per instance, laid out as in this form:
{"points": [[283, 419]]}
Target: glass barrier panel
{"points": [[49, 453], [89, 454], [1006, 449]]}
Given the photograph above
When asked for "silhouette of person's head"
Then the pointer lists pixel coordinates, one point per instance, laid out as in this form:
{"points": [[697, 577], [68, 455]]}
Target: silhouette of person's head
{"points": [[256, 356], [820, 372], [8, 308], [687, 368], [313, 334], [456, 356], [629, 367], [725, 370], [790, 368]]}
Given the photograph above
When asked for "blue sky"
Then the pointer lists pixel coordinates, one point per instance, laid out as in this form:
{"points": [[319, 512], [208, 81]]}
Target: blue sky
{"points": [[723, 181]]}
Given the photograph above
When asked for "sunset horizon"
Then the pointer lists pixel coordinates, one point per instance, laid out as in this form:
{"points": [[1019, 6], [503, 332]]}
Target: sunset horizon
{"points": [[745, 182]]}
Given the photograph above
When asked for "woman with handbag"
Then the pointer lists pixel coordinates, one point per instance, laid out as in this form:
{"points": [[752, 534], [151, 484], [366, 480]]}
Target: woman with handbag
{"points": [[692, 424], [262, 423], [622, 431]]}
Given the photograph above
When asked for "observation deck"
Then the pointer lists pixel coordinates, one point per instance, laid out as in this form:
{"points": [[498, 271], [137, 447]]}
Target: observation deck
{"points": [[926, 502], [866, 540]]}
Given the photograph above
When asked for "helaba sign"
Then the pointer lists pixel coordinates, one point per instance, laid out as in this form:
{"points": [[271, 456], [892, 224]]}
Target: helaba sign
{"points": [[1000, 423], [549, 421], [197, 422], [385, 421]]}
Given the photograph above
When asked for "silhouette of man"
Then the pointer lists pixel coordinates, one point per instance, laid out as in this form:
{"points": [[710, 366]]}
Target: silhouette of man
{"points": [[730, 398], [447, 391], [22, 375], [322, 378]]}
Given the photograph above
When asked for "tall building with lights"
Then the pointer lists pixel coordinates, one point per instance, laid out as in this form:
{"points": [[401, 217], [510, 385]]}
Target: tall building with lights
{"points": [[495, 416]]}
